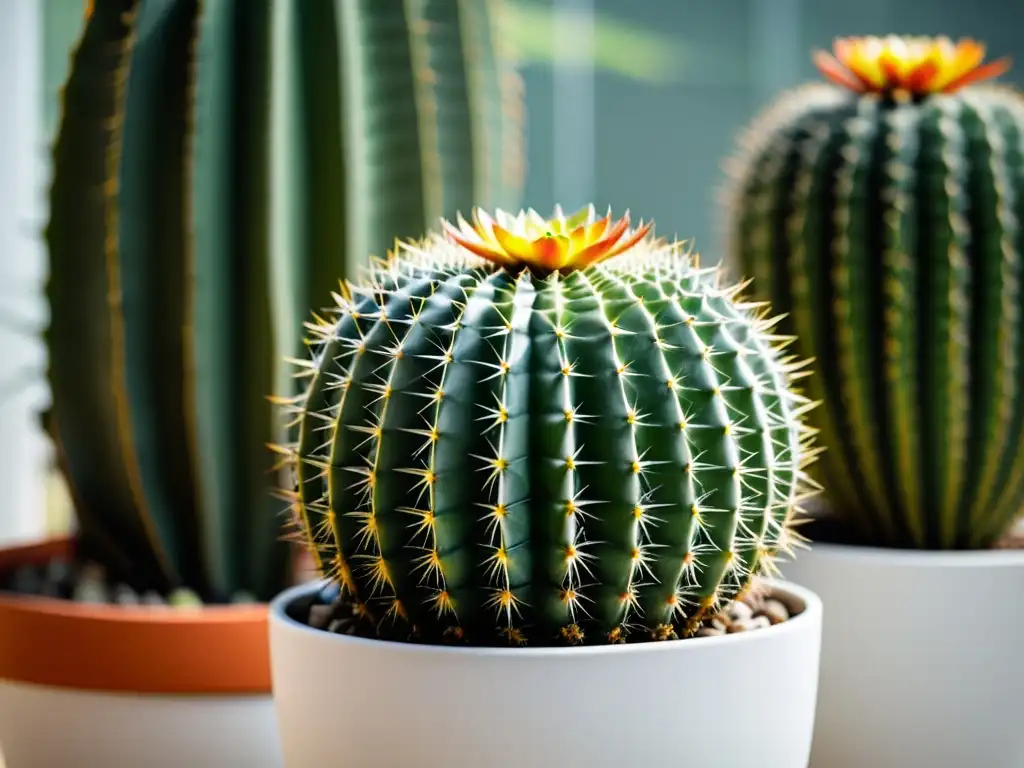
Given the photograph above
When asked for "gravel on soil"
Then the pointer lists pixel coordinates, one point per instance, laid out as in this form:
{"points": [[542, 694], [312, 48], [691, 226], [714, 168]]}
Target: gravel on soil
{"points": [[1014, 540], [88, 583], [757, 609]]}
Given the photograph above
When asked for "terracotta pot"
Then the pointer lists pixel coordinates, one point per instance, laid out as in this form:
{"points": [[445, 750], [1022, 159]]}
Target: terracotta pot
{"points": [[124, 685]]}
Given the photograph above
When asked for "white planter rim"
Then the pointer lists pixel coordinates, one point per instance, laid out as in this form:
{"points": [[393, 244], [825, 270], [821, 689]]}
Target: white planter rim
{"points": [[921, 558], [808, 600]]}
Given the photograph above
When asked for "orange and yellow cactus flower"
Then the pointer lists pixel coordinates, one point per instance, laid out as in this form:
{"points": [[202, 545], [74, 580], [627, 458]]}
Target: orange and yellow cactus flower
{"points": [[562, 242], [913, 65]]}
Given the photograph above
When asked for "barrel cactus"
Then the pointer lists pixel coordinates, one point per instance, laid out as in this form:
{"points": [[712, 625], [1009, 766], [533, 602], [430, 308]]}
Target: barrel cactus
{"points": [[545, 431], [218, 163], [881, 212]]}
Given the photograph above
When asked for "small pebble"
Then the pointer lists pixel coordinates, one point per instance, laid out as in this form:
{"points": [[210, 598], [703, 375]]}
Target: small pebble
{"points": [[125, 595], [752, 598], [320, 615], [92, 572], [710, 632], [243, 598], [58, 571], [338, 626], [774, 610], [739, 611], [90, 592], [153, 598], [741, 626], [720, 623], [759, 622], [184, 598]]}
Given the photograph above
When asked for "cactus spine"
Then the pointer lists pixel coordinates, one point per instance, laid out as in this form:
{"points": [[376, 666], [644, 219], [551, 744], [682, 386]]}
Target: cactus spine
{"points": [[882, 214], [218, 162], [544, 432]]}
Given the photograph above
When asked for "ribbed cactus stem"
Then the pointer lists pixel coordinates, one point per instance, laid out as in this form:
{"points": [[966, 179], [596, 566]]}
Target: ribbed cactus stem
{"points": [[575, 455], [220, 164], [887, 227]]}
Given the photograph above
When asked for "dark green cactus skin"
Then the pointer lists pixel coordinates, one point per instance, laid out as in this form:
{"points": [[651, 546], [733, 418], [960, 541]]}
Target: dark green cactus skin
{"points": [[890, 233], [582, 458], [217, 162]]}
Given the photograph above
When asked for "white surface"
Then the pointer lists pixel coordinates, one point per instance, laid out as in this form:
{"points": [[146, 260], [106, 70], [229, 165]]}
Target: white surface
{"points": [[23, 449], [736, 701], [51, 727], [921, 657]]}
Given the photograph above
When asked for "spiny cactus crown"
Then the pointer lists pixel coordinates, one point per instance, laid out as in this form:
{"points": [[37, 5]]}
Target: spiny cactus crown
{"points": [[490, 450]]}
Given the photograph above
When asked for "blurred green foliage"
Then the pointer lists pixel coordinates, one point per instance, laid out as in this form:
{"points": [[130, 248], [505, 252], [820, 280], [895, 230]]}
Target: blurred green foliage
{"points": [[534, 32]]}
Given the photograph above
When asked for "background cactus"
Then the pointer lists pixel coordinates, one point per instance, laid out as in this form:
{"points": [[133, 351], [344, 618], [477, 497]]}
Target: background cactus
{"points": [[217, 162], [505, 437], [882, 214]]}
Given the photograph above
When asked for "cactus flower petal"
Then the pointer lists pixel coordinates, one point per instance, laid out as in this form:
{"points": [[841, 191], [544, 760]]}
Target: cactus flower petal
{"points": [[557, 243], [913, 65]]}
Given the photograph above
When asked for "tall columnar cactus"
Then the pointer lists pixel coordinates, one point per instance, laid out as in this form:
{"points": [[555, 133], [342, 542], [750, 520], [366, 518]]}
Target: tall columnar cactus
{"points": [[882, 213], [545, 431], [217, 163]]}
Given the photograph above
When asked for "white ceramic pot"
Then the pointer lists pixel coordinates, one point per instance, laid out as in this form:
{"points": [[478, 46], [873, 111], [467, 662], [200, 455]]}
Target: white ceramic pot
{"points": [[719, 702], [922, 657], [45, 727]]}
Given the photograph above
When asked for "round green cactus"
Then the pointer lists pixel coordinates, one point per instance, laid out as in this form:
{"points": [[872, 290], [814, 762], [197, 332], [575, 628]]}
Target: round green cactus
{"points": [[882, 214], [505, 437]]}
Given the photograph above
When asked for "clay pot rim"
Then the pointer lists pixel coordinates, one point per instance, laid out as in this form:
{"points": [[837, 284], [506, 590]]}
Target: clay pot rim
{"points": [[134, 614], [214, 650]]}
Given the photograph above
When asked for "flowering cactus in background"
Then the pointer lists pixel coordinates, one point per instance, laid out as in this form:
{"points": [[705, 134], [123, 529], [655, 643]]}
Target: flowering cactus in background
{"points": [[882, 213]]}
